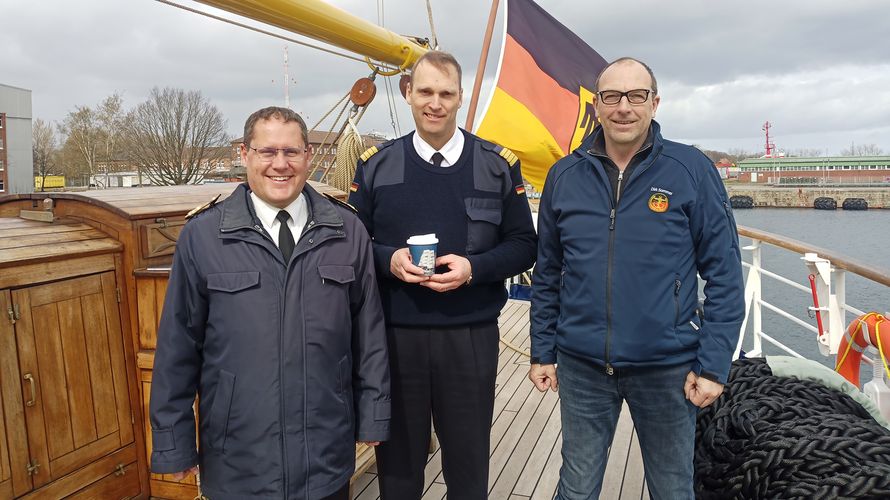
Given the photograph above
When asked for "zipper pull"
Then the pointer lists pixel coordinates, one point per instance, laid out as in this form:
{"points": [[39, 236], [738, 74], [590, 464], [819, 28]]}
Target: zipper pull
{"points": [[609, 370], [677, 287], [612, 220]]}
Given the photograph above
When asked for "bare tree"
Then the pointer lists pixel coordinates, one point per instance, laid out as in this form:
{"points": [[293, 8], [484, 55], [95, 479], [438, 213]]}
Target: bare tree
{"points": [[44, 149], [862, 150], [110, 117], [83, 134], [173, 135]]}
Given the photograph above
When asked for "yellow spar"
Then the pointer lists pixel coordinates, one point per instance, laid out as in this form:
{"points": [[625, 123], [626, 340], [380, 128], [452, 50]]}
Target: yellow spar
{"points": [[321, 21]]}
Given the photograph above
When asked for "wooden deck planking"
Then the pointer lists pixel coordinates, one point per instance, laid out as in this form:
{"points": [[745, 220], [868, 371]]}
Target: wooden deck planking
{"points": [[526, 436]]}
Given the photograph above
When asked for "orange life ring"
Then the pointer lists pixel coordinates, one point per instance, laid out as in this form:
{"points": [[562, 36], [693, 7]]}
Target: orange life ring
{"points": [[862, 332]]}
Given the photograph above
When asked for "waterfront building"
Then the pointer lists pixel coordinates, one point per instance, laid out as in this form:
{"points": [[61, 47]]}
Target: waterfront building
{"points": [[817, 171], [16, 162]]}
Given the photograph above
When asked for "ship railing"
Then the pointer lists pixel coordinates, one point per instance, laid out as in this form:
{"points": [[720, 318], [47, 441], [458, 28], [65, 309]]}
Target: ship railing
{"points": [[829, 270]]}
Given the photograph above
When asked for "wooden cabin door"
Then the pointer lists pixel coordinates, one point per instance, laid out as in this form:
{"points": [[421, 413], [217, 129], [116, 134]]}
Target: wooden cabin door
{"points": [[73, 373], [14, 478]]}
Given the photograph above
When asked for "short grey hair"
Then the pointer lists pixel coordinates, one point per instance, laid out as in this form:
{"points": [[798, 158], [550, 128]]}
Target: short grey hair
{"points": [[596, 86]]}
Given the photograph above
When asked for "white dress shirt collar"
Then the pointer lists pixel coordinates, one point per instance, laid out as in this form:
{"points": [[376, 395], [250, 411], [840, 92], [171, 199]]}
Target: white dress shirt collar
{"points": [[450, 151], [298, 210]]}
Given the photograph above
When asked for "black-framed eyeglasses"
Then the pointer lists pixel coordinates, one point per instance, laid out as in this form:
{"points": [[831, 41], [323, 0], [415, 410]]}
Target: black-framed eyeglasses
{"points": [[613, 97], [270, 154]]}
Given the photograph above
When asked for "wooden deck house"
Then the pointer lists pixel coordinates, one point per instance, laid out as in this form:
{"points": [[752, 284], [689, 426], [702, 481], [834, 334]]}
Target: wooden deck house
{"points": [[81, 297], [82, 282]]}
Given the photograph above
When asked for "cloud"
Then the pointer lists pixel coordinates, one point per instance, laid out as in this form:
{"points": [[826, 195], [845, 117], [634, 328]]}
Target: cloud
{"points": [[818, 70]]}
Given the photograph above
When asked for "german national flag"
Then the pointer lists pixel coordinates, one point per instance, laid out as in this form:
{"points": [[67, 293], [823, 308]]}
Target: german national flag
{"points": [[542, 105]]}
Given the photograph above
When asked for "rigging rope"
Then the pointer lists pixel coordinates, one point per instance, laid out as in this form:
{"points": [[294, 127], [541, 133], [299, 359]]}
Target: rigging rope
{"points": [[391, 102], [349, 150], [318, 158], [264, 32], [434, 42], [780, 437]]}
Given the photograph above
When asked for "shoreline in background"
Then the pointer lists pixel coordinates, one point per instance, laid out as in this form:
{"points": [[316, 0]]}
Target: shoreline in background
{"points": [[806, 196]]}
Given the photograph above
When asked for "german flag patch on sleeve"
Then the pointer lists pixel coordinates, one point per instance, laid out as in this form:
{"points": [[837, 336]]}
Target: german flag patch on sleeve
{"points": [[520, 189], [353, 187]]}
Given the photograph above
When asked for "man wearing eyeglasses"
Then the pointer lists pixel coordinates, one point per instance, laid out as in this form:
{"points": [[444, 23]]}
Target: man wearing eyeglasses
{"points": [[626, 223], [272, 317]]}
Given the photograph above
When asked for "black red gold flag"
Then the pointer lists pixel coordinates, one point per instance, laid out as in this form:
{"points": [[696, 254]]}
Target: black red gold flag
{"points": [[542, 104]]}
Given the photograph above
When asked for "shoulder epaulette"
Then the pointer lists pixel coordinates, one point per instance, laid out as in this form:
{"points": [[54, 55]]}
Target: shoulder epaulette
{"points": [[195, 211], [508, 156], [369, 153], [337, 201], [375, 149]]}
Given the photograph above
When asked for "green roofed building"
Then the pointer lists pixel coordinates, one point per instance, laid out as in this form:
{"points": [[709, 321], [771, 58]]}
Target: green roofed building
{"points": [[817, 171]]}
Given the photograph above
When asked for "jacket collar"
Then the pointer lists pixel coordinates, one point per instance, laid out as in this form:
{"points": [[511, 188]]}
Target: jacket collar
{"points": [[595, 143], [238, 212]]}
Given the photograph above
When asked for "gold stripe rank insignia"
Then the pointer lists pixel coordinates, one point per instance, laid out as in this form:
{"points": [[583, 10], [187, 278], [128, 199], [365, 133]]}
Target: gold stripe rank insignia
{"points": [[369, 153], [508, 155], [195, 211]]}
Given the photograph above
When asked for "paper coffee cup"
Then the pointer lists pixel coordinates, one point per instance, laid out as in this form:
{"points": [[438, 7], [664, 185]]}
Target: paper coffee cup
{"points": [[423, 252]]}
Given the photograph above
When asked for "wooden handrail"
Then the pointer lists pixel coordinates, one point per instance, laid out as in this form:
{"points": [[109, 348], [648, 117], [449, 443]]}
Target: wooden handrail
{"points": [[870, 271]]}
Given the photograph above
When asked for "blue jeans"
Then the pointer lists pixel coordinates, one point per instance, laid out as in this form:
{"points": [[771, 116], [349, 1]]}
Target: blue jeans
{"points": [[664, 419]]}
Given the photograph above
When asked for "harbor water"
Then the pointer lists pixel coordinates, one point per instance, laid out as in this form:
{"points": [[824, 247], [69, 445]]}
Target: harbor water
{"points": [[862, 235]]}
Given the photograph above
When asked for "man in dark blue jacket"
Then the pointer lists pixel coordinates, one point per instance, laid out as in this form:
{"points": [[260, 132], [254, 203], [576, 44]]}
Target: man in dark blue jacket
{"points": [[625, 224], [442, 329], [272, 317]]}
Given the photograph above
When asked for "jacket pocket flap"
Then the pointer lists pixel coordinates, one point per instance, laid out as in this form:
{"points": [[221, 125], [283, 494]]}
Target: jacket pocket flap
{"points": [[162, 440], [339, 274], [484, 209], [382, 409], [232, 282]]}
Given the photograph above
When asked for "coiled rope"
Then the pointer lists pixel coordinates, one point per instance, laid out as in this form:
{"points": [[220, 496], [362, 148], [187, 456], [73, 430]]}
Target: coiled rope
{"points": [[349, 150], [780, 437]]}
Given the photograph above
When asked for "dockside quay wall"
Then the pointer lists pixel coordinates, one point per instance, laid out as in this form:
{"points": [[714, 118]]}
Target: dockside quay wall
{"points": [[805, 197]]}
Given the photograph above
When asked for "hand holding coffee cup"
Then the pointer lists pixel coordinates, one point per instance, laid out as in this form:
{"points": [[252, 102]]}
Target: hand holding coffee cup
{"points": [[423, 252]]}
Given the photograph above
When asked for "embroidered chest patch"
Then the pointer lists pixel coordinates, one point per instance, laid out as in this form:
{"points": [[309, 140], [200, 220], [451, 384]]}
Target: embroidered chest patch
{"points": [[659, 202]]}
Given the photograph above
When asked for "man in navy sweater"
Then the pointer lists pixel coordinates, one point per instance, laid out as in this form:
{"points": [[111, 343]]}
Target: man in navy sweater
{"points": [[442, 329]]}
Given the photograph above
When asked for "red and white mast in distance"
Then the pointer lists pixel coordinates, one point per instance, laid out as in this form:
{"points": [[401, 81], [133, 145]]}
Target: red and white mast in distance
{"points": [[770, 147]]}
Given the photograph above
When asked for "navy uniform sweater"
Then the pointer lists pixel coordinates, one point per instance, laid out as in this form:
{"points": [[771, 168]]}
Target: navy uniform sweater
{"points": [[477, 208]]}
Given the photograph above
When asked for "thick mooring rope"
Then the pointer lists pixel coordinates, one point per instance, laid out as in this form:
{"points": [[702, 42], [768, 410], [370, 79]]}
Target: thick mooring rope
{"points": [[780, 437], [348, 151]]}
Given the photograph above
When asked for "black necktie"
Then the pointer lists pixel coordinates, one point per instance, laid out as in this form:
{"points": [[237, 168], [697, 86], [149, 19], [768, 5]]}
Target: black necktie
{"points": [[437, 159], [285, 237]]}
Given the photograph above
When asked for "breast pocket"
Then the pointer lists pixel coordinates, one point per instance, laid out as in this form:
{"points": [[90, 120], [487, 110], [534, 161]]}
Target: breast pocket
{"points": [[333, 299], [229, 294], [483, 223], [336, 274], [232, 282]]}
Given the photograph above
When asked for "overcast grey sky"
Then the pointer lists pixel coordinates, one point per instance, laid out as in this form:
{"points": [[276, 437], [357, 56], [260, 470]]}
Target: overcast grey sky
{"points": [[818, 70]]}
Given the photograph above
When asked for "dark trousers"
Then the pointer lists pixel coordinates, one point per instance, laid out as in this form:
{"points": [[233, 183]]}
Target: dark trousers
{"points": [[448, 373]]}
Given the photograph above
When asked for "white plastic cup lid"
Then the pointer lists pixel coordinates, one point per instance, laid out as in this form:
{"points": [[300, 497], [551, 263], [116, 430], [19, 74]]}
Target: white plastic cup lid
{"points": [[423, 239]]}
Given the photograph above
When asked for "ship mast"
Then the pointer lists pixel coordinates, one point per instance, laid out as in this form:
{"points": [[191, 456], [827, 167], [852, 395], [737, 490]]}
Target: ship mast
{"points": [[286, 78]]}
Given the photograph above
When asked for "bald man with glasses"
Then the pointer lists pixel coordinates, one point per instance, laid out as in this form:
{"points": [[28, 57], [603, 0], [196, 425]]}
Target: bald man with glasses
{"points": [[626, 223]]}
